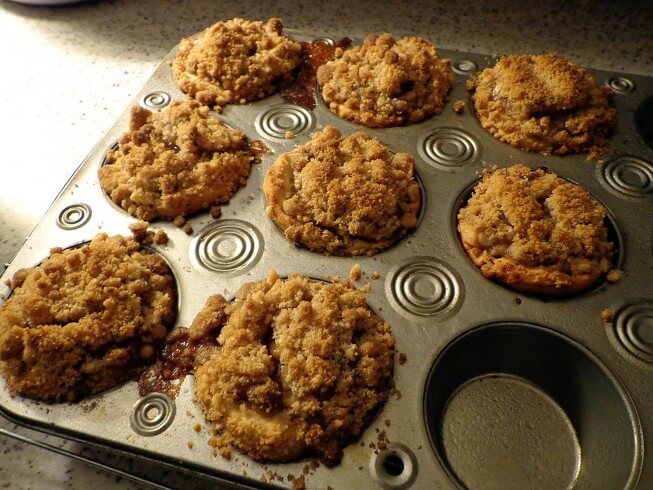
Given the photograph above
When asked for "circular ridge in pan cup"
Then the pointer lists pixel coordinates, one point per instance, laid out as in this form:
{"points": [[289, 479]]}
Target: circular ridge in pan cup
{"points": [[513, 405]]}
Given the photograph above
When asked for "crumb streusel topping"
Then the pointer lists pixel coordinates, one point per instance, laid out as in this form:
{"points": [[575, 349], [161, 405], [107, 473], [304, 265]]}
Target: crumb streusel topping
{"points": [[175, 162], [301, 367], [545, 104], [385, 82], [343, 196], [85, 319], [236, 60], [535, 231]]}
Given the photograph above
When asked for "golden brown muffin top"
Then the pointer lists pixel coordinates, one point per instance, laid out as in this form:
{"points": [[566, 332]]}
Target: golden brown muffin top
{"points": [[544, 103], [175, 162], [535, 231], [85, 319], [300, 367], [236, 60], [385, 82], [343, 196]]}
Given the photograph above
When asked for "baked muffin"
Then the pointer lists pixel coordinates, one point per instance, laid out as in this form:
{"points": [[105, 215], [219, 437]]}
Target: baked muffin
{"points": [[236, 60], [544, 104], [386, 82], [343, 196], [536, 232], [300, 368], [85, 319], [175, 162]]}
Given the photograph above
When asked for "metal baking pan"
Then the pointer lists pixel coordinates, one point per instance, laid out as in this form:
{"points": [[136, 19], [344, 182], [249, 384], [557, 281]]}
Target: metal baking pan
{"points": [[499, 389]]}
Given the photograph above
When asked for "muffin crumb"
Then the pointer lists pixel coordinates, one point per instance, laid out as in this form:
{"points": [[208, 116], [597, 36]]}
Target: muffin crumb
{"points": [[355, 272], [289, 135], [85, 319], [161, 237], [544, 104], [376, 275], [216, 212], [534, 231], [175, 162], [459, 106], [606, 315], [188, 229], [615, 275]]}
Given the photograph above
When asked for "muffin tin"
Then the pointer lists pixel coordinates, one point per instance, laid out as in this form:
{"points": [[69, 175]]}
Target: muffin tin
{"points": [[498, 389]]}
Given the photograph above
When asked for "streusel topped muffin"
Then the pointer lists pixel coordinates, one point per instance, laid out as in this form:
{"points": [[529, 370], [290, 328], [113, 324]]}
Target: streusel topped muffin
{"points": [[175, 162], [545, 104], [299, 368], [235, 61], [85, 319], [385, 82], [534, 231], [343, 196]]}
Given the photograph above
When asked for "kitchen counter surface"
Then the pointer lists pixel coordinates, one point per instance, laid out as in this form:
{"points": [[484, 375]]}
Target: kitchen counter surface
{"points": [[69, 72]]}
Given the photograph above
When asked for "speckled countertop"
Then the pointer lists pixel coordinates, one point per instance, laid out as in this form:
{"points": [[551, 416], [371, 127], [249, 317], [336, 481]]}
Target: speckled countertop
{"points": [[68, 72]]}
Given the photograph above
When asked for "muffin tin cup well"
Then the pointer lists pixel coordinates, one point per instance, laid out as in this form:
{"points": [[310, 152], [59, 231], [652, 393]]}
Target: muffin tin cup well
{"points": [[533, 404], [543, 355]]}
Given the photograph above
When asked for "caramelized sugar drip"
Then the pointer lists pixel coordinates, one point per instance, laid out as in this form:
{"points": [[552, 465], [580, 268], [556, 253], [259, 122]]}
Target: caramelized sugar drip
{"points": [[301, 90]]}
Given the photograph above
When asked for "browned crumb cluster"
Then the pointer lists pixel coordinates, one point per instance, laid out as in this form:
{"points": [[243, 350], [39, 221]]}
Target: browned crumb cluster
{"points": [[606, 315], [355, 272], [301, 367], [459, 106], [175, 162], [144, 236], [386, 82], [545, 104], [85, 319], [615, 275], [535, 231], [236, 60], [343, 196]]}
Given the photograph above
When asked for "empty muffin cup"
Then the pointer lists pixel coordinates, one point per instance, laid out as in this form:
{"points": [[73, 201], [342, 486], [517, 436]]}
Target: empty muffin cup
{"points": [[514, 405]]}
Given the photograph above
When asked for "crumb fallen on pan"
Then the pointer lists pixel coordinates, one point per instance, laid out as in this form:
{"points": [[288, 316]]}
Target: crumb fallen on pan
{"points": [[216, 212], [459, 106], [606, 315], [161, 237], [376, 275], [615, 275], [355, 272]]}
